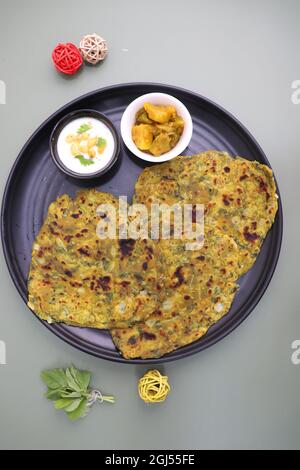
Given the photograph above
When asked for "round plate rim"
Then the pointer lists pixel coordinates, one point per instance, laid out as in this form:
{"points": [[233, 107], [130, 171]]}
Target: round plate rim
{"points": [[182, 352]]}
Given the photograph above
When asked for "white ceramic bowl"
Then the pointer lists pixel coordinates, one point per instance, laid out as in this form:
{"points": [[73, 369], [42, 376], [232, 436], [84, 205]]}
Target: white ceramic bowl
{"points": [[128, 120]]}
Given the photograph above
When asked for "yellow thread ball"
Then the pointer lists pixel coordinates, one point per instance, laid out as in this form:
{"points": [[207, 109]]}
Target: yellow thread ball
{"points": [[153, 387]]}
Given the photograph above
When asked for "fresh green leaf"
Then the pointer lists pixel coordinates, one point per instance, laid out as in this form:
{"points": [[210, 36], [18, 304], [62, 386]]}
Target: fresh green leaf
{"points": [[69, 389], [74, 372], [72, 384], [54, 394], [84, 378], [74, 405], [81, 378], [54, 379], [101, 142], [80, 411], [84, 128], [63, 403], [84, 161], [67, 394]]}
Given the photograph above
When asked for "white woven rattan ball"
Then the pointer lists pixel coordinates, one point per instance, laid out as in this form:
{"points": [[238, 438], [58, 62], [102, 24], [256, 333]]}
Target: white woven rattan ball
{"points": [[93, 48]]}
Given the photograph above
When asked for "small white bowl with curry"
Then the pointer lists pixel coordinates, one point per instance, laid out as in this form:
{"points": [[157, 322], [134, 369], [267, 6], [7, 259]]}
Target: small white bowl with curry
{"points": [[156, 127]]}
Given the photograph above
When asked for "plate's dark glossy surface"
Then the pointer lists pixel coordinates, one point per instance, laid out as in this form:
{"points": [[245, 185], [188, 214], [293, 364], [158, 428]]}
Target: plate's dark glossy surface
{"points": [[35, 182]]}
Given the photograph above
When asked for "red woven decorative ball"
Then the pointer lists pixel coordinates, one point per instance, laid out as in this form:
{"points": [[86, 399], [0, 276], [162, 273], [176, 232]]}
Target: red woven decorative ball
{"points": [[67, 58]]}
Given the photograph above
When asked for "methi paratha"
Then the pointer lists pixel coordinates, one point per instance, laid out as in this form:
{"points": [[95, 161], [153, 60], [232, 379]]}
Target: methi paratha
{"points": [[196, 289], [82, 280], [239, 195], [154, 295]]}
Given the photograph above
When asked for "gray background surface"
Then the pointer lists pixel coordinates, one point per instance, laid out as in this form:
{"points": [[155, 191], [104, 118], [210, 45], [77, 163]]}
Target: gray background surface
{"points": [[243, 392]]}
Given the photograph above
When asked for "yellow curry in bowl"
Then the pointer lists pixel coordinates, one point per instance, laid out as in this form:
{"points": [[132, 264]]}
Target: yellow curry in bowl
{"points": [[157, 129]]}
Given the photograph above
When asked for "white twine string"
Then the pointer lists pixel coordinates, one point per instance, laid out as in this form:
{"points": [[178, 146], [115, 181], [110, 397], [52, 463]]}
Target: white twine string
{"points": [[95, 396]]}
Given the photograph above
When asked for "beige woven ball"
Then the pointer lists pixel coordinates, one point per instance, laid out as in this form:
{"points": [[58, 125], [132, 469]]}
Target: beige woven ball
{"points": [[93, 48]]}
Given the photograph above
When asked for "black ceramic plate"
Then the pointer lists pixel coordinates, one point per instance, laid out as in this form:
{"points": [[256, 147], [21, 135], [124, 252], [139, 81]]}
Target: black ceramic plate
{"points": [[35, 182]]}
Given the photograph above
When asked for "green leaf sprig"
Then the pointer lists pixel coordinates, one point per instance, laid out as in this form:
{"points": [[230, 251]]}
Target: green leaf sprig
{"points": [[101, 142], [84, 161], [69, 389], [84, 128]]}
